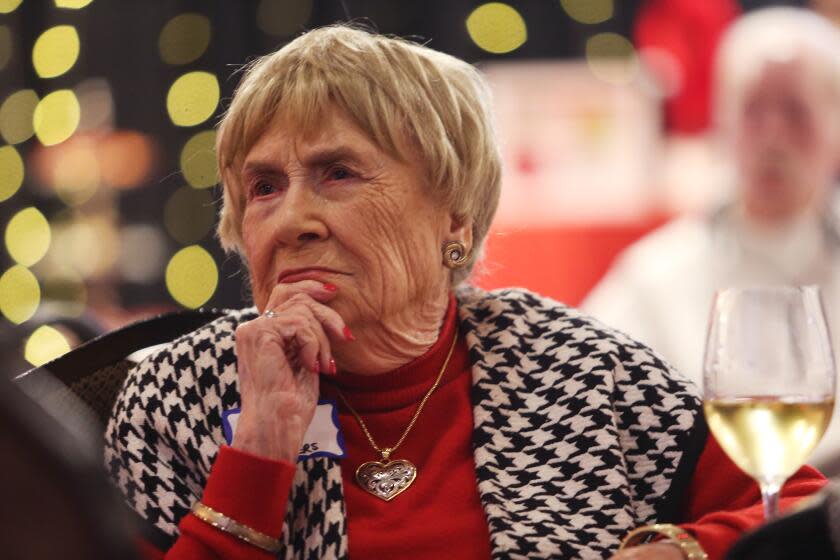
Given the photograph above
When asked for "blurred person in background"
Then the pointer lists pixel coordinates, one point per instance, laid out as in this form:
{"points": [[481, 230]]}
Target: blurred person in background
{"points": [[778, 116], [370, 403]]}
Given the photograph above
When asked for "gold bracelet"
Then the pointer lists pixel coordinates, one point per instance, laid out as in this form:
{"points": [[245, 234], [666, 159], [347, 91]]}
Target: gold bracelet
{"points": [[690, 548], [224, 523]]}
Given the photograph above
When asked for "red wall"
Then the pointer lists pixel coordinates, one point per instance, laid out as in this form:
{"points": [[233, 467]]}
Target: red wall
{"points": [[563, 262]]}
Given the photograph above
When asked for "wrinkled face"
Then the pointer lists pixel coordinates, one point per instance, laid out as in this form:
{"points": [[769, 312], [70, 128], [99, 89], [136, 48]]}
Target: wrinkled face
{"points": [[331, 206], [787, 141]]}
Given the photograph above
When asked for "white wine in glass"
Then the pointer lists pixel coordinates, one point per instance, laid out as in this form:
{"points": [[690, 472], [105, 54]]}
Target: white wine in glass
{"points": [[768, 381]]}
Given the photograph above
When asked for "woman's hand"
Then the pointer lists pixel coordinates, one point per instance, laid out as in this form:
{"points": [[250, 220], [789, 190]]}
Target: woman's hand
{"points": [[653, 551], [279, 359]]}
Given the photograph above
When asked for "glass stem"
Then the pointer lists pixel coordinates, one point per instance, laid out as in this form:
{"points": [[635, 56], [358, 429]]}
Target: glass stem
{"points": [[770, 499]]}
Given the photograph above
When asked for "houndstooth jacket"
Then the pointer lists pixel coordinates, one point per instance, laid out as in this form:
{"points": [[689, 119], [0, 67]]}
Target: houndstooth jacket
{"points": [[580, 433]]}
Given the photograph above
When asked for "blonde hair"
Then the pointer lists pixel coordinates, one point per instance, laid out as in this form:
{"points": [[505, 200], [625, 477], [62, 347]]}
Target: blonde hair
{"points": [[777, 34], [404, 96]]}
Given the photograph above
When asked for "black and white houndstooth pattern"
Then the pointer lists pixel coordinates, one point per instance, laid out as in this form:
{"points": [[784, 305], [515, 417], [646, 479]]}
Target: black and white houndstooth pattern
{"points": [[578, 431]]}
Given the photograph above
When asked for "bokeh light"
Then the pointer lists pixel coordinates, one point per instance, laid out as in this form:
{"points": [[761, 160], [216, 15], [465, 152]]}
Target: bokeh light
{"points": [[88, 245], [75, 171], [497, 28], [72, 4], [9, 6], [45, 345], [65, 290], [16, 116], [11, 172], [198, 160], [189, 214], [612, 58], [126, 158], [184, 38], [20, 294], [589, 11], [193, 98], [5, 46], [56, 117], [27, 236], [146, 240], [282, 18], [97, 104], [55, 51], [192, 276]]}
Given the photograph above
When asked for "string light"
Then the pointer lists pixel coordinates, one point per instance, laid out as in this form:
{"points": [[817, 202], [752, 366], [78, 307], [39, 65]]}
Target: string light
{"points": [[9, 6], [55, 51], [16, 116], [198, 160], [189, 214], [72, 4], [192, 98], [44, 345], [11, 172], [184, 38], [56, 117], [20, 294], [192, 276], [589, 11], [27, 236], [497, 28]]}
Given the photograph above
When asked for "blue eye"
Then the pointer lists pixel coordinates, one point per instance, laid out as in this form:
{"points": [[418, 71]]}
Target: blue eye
{"points": [[338, 174], [262, 188]]}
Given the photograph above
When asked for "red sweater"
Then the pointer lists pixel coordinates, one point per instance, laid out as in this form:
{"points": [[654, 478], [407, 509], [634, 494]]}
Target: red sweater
{"points": [[441, 511]]}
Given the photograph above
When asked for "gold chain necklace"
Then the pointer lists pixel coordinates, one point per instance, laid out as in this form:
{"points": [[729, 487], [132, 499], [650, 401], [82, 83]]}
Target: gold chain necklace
{"points": [[388, 478]]}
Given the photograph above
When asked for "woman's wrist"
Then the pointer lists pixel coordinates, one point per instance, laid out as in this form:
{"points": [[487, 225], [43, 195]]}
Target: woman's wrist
{"points": [[258, 436]]}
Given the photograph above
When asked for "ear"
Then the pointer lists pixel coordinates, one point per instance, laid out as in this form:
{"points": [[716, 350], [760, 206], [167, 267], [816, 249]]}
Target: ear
{"points": [[460, 229]]}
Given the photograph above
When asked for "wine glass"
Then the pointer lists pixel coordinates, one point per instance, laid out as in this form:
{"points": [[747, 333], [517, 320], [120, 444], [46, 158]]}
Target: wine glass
{"points": [[768, 381]]}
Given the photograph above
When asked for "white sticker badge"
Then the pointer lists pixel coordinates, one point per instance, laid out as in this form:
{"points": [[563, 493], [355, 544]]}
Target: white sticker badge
{"points": [[323, 437]]}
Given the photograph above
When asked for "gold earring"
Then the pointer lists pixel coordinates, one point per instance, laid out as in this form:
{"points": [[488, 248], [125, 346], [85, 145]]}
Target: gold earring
{"points": [[455, 254]]}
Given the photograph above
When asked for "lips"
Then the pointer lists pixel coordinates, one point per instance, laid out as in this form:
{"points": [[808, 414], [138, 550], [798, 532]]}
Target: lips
{"points": [[308, 273]]}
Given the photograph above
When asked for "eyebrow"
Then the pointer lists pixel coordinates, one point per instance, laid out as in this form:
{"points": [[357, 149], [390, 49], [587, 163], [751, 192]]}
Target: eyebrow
{"points": [[318, 158]]}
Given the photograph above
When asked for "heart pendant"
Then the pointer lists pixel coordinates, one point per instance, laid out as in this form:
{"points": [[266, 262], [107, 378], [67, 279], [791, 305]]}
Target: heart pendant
{"points": [[386, 480]]}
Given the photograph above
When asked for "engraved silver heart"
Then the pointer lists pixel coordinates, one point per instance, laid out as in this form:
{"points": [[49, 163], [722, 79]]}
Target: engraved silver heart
{"points": [[386, 480]]}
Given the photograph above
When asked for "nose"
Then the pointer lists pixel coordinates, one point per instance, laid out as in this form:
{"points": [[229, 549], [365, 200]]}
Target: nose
{"points": [[299, 220]]}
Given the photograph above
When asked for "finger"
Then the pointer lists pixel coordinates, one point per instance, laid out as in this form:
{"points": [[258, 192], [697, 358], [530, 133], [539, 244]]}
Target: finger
{"points": [[325, 354], [325, 357], [333, 322], [307, 343], [299, 313], [314, 289]]}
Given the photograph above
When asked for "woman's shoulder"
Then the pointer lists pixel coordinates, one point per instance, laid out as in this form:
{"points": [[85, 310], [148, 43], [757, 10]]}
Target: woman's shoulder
{"points": [[522, 309], [568, 332]]}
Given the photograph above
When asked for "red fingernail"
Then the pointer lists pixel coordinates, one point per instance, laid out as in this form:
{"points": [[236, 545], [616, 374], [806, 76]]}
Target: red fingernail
{"points": [[317, 367], [333, 369], [330, 287], [348, 335]]}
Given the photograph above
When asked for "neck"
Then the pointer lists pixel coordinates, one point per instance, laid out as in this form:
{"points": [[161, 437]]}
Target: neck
{"points": [[389, 342]]}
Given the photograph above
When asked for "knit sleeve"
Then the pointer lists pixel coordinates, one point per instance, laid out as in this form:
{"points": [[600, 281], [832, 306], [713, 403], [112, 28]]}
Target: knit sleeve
{"points": [[165, 429], [249, 489]]}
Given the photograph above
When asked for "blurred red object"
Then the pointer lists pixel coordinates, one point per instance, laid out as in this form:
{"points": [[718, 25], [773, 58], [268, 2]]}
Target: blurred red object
{"points": [[682, 37], [563, 262]]}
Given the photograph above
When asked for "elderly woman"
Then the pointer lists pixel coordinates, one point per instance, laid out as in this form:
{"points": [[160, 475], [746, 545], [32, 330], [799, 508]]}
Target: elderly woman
{"points": [[366, 406]]}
